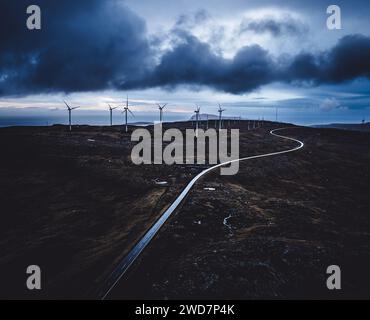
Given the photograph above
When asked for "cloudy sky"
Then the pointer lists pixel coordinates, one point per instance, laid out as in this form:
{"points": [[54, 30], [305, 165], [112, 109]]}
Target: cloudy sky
{"points": [[249, 55]]}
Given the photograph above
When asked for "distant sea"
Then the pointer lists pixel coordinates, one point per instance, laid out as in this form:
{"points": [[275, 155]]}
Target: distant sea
{"points": [[77, 118], [33, 117]]}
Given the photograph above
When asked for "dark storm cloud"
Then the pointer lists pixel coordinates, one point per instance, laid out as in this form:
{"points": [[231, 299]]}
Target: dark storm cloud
{"points": [[347, 60], [83, 45], [286, 26], [93, 45], [193, 63]]}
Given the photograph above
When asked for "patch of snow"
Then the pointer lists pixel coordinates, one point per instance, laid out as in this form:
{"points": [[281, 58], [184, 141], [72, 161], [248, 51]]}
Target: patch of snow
{"points": [[161, 183]]}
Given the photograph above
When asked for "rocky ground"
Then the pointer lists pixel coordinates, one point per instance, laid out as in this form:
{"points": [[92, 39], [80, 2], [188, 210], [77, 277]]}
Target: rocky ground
{"points": [[74, 204]]}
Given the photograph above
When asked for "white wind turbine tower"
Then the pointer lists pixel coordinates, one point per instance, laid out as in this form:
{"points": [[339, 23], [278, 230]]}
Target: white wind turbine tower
{"points": [[70, 114], [111, 112], [276, 114], [161, 111], [220, 110], [197, 110], [125, 110]]}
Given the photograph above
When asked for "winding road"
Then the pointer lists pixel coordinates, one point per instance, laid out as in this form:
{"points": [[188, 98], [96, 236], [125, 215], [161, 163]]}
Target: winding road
{"points": [[125, 264]]}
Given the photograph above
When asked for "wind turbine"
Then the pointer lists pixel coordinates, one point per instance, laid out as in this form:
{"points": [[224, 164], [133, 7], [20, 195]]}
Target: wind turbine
{"points": [[161, 111], [110, 112], [197, 110], [70, 114], [125, 110], [220, 110]]}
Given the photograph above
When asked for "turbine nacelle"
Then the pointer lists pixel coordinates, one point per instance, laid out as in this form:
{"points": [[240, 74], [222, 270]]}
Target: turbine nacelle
{"points": [[220, 110], [71, 108], [125, 109], [111, 108], [161, 107]]}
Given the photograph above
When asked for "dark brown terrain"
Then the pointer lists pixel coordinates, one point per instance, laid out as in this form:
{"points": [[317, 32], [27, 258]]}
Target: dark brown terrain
{"points": [[74, 204], [288, 218]]}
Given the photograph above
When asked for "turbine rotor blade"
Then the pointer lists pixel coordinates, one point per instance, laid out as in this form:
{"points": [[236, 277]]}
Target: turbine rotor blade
{"points": [[130, 112], [67, 105]]}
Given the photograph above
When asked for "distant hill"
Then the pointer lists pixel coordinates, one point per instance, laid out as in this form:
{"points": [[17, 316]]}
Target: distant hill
{"points": [[141, 123], [346, 126], [204, 116]]}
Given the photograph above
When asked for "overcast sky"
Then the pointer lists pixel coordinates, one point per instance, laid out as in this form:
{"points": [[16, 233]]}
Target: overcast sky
{"points": [[246, 54]]}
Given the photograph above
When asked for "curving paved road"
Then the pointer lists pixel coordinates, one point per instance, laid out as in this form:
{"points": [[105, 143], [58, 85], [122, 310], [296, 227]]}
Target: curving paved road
{"points": [[125, 264]]}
